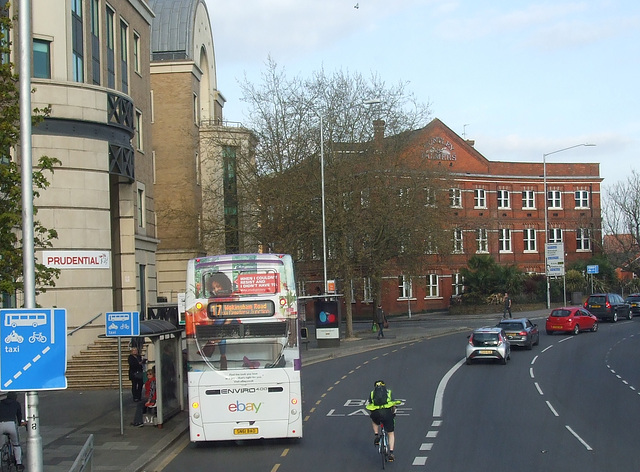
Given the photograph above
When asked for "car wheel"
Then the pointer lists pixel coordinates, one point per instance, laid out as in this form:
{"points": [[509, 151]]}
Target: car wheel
{"points": [[576, 329], [537, 339], [549, 332], [614, 319], [594, 328], [468, 361], [530, 345], [629, 315], [504, 361]]}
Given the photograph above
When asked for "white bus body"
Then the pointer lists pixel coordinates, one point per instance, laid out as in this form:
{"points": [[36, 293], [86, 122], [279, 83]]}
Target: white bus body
{"points": [[243, 348]]}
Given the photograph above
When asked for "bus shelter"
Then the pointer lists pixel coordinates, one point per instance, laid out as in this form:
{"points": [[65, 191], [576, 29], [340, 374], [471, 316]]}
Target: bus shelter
{"points": [[165, 354]]}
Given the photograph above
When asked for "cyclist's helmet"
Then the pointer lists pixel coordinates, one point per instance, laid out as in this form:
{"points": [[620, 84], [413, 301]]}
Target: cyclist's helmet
{"points": [[378, 383]]}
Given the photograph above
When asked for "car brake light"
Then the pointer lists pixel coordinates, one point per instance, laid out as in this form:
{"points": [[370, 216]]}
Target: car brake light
{"points": [[608, 305], [522, 333], [471, 339], [586, 304]]}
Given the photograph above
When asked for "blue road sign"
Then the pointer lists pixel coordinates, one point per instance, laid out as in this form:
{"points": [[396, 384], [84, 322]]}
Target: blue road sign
{"points": [[123, 323], [34, 349], [593, 269]]}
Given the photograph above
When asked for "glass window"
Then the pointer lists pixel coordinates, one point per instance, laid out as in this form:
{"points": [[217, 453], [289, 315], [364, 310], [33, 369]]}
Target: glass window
{"points": [[504, 240], [503, 199], [482, 239], [141, 206], [480, 198], [458, 283], [530, 240], [554, 199], [583, 239], [458, 241], [367, 291], [404, 287], [432, 286], [528, 199], [136, 52], [41, 59], [582, 198], [555, 235], [455, 197], [139, 140], [77, 41]]}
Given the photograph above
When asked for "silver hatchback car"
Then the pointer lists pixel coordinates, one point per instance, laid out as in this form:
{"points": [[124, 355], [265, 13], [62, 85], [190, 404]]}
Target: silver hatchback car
{"points": [[488, 343]]}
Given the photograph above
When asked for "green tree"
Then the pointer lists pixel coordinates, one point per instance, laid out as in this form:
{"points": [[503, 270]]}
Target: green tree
{"points": [[11, 248]]}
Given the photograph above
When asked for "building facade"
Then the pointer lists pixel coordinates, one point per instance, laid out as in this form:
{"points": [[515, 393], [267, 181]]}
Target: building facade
{"points": [[197, 154], [91, 66], [498, 209]]}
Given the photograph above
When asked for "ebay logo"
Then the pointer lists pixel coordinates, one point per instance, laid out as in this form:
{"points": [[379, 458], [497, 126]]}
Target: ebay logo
{"points": [[239, 407]]}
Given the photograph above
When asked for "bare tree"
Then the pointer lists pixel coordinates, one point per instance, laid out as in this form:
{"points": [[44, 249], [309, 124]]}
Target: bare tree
{"points": [[380, 204], [621, 221]]}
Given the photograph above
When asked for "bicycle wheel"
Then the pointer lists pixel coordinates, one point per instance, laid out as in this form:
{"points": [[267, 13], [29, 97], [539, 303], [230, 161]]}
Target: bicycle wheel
{"points": [[383, 447], [7, 458]]}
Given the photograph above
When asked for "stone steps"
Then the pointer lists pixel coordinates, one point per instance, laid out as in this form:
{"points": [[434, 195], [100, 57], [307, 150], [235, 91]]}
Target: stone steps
{"points": [[96, 367]]}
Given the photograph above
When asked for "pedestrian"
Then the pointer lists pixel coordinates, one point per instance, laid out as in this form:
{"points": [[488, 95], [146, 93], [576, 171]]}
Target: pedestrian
{"points": [[10, 419], [135, 373], [149, 398], [507, 305], [380, 320]]}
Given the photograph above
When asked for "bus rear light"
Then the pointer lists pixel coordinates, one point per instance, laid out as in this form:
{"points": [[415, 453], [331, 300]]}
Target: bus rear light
{"points": [[195, 405], [294, 401], [283, 301], [199, 306]]}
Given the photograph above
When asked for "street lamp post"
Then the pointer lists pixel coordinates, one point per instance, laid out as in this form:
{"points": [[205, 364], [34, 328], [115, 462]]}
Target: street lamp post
{"points": [[546, 214]]}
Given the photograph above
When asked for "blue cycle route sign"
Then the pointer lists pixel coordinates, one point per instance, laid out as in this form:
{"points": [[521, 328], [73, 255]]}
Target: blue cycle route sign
{"points": [[123, 323], [34, 349], [593, 269]]}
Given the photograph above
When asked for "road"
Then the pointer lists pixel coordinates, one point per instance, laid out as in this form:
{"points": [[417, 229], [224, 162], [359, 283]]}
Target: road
{"points": [[572, 403]]}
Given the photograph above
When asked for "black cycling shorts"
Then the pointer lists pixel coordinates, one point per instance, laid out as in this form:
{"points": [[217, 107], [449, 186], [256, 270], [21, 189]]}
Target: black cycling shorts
{"points": [[385, 416]]}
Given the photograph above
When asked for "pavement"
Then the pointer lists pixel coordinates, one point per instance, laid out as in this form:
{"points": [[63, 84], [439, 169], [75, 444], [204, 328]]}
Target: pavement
{"points": [[67, 418]]}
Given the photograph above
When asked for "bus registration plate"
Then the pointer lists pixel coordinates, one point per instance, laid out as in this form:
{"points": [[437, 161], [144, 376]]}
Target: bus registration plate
{"points": [[238, 431]]}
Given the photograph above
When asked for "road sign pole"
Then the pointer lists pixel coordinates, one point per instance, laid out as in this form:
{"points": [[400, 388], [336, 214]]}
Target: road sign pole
{"points": [[120, 385], [34, 439]]}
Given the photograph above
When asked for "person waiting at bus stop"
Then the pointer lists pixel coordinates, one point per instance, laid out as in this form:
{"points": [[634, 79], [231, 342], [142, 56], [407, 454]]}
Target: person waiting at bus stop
{"points": [[382, 409], [149, 398], [10, 419]]}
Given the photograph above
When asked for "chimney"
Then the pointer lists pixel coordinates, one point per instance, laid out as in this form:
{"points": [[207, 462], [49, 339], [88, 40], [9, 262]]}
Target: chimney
{"points": [[471, 142], [378, 132]]}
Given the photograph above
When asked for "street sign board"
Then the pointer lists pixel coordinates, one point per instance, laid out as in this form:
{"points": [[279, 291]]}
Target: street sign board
{"points": [[34, 349], [123, 323], [555, 259], [593, 269]]}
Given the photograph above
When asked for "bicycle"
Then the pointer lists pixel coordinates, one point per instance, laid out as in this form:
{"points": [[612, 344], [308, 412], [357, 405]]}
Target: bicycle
{"points": [[383, 446], [7, 456]]}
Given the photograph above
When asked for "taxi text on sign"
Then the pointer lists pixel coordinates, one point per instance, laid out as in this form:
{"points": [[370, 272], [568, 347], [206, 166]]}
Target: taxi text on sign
{"points": [[34, 349]]}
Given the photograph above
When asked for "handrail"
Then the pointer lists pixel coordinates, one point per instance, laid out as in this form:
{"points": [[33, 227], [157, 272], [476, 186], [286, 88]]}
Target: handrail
{"points": [[87, 323]]}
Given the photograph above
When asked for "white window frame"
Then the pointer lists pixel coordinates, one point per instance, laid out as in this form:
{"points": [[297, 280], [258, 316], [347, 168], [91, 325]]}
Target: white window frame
{"points": [[367, 292], [555, 235], [504, 199], [141, 205], [504, 240], [455, 197], [530, 240], [479, 198], [457, 284], [458, 241], [583, 240], [554, 199], [433, 286], [581, 198], [405, 289], [528, 200], [139, 134], [482, 239]]}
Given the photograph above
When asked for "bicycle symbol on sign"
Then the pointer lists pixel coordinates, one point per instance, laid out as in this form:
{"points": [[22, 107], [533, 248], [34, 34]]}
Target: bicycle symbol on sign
{"points": [[37, 337]]}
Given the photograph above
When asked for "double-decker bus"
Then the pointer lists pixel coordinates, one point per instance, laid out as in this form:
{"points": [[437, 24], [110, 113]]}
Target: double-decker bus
{"points": [[243, 348]]}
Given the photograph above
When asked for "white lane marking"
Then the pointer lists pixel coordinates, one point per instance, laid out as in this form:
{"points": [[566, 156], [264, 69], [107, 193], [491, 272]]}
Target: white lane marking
{"points": [[432, 434], [552, 409], [436, 423], [533, 361], [419, 461], [426, 446], [531, 373], [547, 348], [538, 387], [565, 339], [437, 404], [579, 438]]}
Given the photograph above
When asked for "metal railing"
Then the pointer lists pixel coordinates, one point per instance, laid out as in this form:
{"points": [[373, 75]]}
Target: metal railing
{"points": [[84, 461], [70, 333]]}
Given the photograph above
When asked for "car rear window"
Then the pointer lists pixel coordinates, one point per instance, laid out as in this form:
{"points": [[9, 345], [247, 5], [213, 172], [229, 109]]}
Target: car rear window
{"points": [[508, 326], [633, 299], [597, 300], [485, 339], [560, 313]]}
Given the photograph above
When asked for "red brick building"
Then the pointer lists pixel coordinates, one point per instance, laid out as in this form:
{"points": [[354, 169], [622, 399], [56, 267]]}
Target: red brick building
{"points": [[498, 209]]}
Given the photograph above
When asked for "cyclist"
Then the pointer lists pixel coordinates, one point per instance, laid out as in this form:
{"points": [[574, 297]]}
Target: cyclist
{"points": [[383, 411], [10, 419]]}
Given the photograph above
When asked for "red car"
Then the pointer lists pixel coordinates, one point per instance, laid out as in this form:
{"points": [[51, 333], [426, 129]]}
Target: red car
{"points": [[571, 319]]}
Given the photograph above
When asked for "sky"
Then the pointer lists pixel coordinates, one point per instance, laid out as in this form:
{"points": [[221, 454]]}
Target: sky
{"points": [[522, 78]]}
